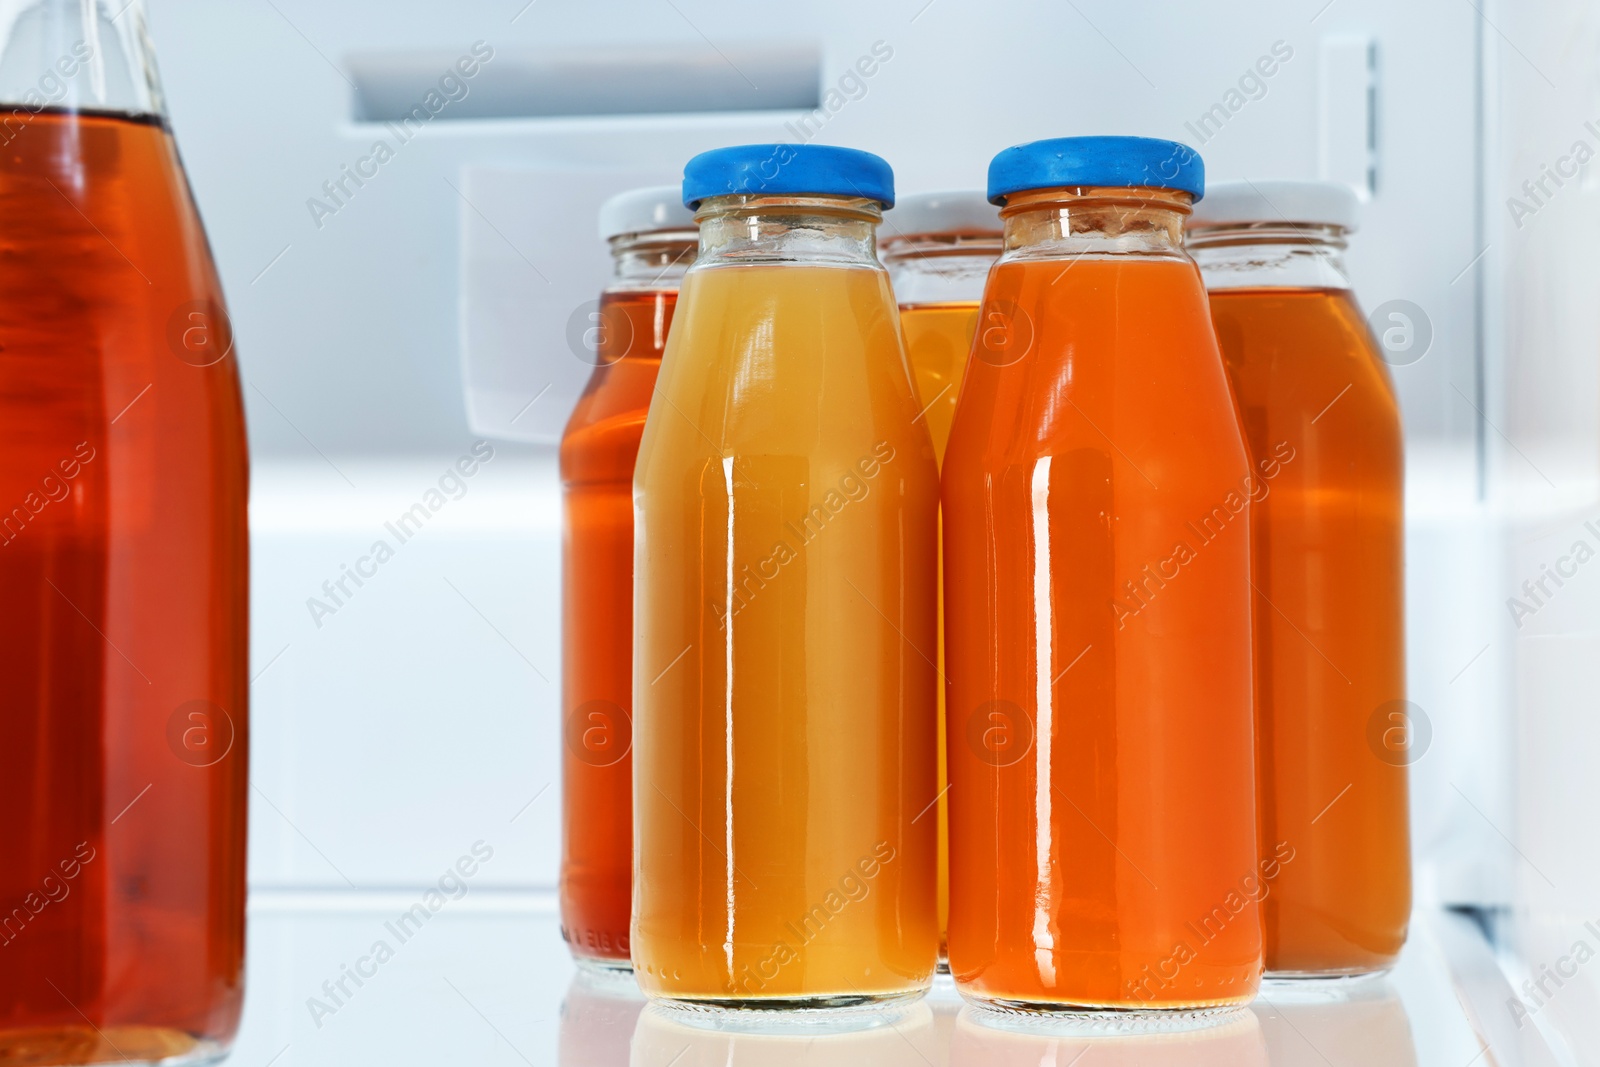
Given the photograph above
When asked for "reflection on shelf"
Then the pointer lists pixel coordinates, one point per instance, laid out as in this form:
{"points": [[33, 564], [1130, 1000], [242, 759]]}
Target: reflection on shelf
{"points": [[1354, 1022], [605, 1022], [1234, 1040], [905, 1038], [598, 1019]]}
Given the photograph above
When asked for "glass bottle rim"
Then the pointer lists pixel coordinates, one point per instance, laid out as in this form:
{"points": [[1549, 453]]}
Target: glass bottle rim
{"points": [[1274, 232], [1143, 197], [112, 63], [635, 240], [736, 205], [942, 243]]}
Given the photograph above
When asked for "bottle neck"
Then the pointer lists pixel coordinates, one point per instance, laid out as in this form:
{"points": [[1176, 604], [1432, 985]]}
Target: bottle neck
{"points": [[78, 55], [1098, 221], [1270, 256], [940, 268], [650, 261], [831, 231]]}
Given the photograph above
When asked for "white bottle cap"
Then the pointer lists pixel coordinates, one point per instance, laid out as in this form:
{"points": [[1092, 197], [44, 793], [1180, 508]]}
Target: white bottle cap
{"points": [[964, 212], [655, 207], [1289, 202]]}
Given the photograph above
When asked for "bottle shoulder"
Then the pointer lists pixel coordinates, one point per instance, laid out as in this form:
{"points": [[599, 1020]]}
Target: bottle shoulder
{"points": [[1109, 356], [602, 435], [1286, 338], [799, 365]]}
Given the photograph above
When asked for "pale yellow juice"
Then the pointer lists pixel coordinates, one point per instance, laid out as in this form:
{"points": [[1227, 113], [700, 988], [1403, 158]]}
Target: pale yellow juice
{"points": [[786, 500], [938, 341]]}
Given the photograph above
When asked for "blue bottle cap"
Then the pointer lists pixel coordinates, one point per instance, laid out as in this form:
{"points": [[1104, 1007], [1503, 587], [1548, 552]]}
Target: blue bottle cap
{"points": [[1103, 161], [799, 169]]}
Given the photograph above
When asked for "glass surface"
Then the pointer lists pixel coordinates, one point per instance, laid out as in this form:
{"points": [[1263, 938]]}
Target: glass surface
{"points": [[1323, 427], [785, 509], [939, 281], [597, 455], [938, 338], [1103, 848], [124, 566]]}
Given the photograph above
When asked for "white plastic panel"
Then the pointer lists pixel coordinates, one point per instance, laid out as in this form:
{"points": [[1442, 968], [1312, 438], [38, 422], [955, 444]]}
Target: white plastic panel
{"points": [[524, 83], [355, 329], [538, 265], [421, 714], [1543, 214], [1346, 112]]}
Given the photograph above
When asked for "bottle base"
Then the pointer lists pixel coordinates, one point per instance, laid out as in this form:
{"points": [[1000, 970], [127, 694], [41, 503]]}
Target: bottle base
{"points": [[1321, 985], [135, 1046], [1096, 1020], [842, 1013], [603, 966]]}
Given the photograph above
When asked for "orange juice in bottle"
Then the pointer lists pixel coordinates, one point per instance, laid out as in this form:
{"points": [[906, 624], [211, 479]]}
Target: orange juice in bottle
{"points": [[1323, 427], [939, 248], [1103, 845], [653, 240], [785, 504]]}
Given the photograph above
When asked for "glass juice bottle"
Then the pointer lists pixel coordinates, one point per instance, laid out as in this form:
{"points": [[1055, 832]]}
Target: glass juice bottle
{"points": [[123, 566], [653, 240], [938, 249], [1323, 428], [785, 504], [1103, 849]]}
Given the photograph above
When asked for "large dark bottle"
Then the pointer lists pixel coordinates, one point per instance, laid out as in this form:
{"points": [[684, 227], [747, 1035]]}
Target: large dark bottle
{"points": [[123, 566]]}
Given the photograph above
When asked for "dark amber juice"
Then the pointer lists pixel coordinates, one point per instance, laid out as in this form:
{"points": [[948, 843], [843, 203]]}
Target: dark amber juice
{"points": [[124, 580], [1329, 623], [1103, 848], [597, 457]]}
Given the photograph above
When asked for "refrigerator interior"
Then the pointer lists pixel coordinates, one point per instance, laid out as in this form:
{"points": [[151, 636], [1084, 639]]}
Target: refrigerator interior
{"points": [[399, 307]]}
